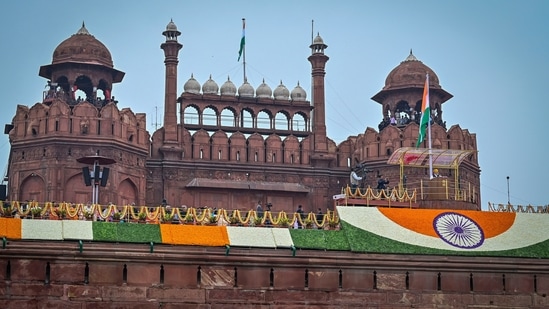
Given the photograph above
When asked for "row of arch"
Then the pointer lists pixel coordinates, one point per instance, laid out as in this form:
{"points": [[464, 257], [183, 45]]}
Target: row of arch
{"points": [[82, 89], [33, 188], [403, 109], [246, 118]]}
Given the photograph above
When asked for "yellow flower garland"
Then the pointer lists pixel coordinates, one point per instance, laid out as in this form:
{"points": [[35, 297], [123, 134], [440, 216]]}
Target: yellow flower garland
{"points": [[194, 215], [371, 194]]}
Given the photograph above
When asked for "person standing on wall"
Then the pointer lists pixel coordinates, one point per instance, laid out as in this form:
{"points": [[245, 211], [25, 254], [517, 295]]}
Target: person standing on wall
{"points": [[300, 214], [259, 210]]}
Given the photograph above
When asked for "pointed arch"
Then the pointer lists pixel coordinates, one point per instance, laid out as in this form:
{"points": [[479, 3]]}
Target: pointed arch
{"points": [[32, 188], [127, 192]]}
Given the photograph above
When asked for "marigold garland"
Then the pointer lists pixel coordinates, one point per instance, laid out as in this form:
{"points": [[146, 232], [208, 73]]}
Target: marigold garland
{"points": [[421, 220], [371, 194], [10, 228], [197, 235], [158, 213], [248, 217]]}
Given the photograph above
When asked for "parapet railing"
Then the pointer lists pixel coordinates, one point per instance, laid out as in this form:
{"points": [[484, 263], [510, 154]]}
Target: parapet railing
{"points": [[164, 214], [394, 194], [443, 189], [517, 208]]}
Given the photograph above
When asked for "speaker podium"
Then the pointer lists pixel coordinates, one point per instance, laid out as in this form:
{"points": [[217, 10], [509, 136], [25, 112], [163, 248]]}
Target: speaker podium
{"points": [[436, 188]]}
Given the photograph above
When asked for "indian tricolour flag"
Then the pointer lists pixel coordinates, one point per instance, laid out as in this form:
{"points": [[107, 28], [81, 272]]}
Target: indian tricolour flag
{"points": [[450, 231], [243, 40], [425, 113]]}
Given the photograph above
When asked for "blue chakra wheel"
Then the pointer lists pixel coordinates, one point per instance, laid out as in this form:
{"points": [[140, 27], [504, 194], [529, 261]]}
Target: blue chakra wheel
{"points": [[458, 230]]}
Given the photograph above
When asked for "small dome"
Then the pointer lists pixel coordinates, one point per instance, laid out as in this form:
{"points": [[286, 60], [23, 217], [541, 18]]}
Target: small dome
{"points": [[171, 33], [318, 39], [263, 91], [228, 88], [410, 73], [298, 93], [281, 92], [82, 47], [318, 45], [171, 26], [210, 87], [246, 90], [192, 86]]}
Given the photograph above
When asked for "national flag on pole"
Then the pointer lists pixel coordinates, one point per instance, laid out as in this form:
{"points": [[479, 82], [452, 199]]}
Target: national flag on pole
{"points": [[243, 40], [425, 113]]}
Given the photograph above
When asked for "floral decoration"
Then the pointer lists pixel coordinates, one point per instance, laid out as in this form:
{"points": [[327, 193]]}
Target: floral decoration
{"points": [[373, 194], [499, 231], [77, 229], [10, 228], [282, 238], [251, 237], [42, 229], [196, 235], [458, 230], [493, 223]]}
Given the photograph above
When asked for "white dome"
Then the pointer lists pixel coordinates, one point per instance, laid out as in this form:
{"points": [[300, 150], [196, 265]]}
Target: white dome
{"points": [[298, 93], [246, 90], [210, 87], [171, 26], [263, 91], [281, 92], [228, 88], [192, 86], [318, 39]]}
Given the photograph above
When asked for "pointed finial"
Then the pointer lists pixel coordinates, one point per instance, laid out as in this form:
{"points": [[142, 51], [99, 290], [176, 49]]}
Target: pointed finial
{"points": [[411, 57], [83, 29]]}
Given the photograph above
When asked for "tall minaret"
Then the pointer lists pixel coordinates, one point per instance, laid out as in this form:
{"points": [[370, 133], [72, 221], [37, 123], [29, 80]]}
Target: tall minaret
{"points": [[318, 62], [171, 47]]}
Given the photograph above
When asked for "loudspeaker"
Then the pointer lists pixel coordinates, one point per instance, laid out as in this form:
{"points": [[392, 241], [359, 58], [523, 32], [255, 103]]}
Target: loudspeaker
{"points": [[104, 176], [8, 128], [3, 192], [86, 174], [96, 175]]}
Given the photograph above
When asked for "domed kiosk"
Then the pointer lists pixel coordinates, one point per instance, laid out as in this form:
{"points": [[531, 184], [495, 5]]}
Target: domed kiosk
{"points": [[402, 93], [95, 69]]}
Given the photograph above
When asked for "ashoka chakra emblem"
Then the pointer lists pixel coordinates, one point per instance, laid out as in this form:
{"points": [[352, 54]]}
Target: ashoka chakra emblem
{"points": [[458, 230]]}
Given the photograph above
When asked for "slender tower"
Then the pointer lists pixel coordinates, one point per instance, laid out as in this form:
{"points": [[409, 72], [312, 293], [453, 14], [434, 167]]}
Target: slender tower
{"points": [[320, 143], [170, 148]]}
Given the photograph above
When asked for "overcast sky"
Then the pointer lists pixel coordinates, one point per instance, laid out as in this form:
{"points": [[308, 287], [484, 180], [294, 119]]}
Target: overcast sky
{"points": [[492, 55]]}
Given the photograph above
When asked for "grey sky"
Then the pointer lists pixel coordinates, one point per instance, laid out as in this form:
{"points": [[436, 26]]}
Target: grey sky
{"points": [[491, 55]]}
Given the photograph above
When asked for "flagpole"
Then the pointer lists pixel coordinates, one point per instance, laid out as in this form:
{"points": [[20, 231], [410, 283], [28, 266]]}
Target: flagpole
{"points": [[310, 128], [244, 49], [312, 30], [429, 133]]}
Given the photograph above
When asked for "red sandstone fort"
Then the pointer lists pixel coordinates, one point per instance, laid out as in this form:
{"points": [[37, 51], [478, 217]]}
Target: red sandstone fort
{"points": [[232, 147]]}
